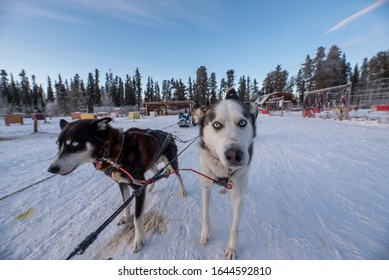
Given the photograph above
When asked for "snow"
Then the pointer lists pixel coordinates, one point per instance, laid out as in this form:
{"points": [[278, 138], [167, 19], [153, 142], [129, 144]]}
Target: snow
{"points": [[318, 189]]}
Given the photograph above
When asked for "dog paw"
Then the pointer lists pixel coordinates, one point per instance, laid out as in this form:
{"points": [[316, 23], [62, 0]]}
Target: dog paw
{"points": [[230, 254], [204, 238], [138, 245], [183, 193], [124, 220]]}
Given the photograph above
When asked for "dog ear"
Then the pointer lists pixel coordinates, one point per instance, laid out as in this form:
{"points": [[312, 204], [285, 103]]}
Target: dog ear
{"points": [[62, 124], [198, 115], [253, 109], [103, 123], [232, 94]]}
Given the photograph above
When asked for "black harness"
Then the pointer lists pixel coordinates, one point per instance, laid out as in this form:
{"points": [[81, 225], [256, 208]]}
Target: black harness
{"points": [[116, 165]]}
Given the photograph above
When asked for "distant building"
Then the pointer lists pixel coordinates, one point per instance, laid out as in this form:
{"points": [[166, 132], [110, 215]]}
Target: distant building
{"points": [[265, 101], [168, 107]]}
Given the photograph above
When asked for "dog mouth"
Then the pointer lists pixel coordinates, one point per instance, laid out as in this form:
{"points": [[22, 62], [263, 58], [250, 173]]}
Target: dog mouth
{"points": [[57, 170]]}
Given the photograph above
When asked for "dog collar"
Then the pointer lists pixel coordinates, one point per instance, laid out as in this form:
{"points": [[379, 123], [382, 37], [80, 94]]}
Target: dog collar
{"points": [[227, 181], [99, 164]]}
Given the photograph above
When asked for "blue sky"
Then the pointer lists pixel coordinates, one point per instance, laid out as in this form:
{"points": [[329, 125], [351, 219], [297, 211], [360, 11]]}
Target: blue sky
{"points": [[172, 38]]}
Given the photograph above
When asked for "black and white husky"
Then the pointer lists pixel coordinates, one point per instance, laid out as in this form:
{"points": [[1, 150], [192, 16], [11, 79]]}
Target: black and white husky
{"points": [[136, 150], [227, 131]]}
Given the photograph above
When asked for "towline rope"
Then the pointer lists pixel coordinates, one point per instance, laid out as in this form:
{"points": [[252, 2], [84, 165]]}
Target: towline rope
{"points": [[25, 188]]}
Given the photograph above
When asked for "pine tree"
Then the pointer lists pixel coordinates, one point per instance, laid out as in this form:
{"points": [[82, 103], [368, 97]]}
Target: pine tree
{"points": [[96, 89], [242, 89], [90, 87], [180, 90], [120, 91], [379, 66], [230, 78], [255, 91], [50, 91], [5, 97], [248, 89], [166, 93], [130, 98], [306, 75], [319, 80], [35, 96], [149, 92], [222, 89], [212, 88], [75, 94], [157, 92], [84, 99], [138, 88], [25, 93], [62, 97], [41, 99], [332, 68], [115, 92], [190, 89], [365, 71], [354, 83], [201, 89], [300, 85], [345, 70], [108, 86], [275, 81], [14, 93]]}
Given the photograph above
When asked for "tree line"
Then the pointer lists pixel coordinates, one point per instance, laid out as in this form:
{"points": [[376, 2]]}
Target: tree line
{"points": [[325, 69]]}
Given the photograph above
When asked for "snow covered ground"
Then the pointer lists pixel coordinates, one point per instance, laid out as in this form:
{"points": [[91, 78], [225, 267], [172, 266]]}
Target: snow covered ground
{"points": [[319, 189]]}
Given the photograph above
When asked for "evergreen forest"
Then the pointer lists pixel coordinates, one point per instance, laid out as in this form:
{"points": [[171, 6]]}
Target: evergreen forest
{"points": [[327, 68]]}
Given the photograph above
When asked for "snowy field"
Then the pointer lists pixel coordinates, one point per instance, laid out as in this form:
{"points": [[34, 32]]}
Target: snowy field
{"points": [[319, 189]]}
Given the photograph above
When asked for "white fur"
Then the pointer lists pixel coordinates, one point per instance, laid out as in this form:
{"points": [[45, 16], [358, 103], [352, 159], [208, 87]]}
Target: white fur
{"points": [[213, 162], [68, 162]]}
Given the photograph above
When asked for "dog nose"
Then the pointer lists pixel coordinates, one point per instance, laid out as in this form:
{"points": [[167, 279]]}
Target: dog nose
{"points": [[234, 156], [53, 169]]}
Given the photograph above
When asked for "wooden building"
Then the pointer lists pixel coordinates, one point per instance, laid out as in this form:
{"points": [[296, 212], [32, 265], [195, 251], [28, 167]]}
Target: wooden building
{"points": [[164, 107]]}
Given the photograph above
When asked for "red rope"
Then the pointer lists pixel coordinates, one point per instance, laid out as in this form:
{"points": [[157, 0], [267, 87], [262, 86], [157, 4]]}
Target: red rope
{"points": [[228, 186], [149, 181]]}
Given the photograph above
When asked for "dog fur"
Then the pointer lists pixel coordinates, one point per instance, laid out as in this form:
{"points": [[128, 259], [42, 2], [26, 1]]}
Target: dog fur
{"points": [[88, 141], [227, 131]]}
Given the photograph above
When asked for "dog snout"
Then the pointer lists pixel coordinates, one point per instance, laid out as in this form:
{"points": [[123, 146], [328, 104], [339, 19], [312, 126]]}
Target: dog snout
{"points": [[234, 156], [53, 169]]}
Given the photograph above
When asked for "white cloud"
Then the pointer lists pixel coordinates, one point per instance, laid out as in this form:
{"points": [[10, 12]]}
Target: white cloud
{"points": [[152, 12], [203, 13], [355, 16]]}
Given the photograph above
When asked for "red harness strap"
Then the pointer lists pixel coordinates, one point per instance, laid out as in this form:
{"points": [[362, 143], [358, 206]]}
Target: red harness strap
{"points": [[227, 183]]}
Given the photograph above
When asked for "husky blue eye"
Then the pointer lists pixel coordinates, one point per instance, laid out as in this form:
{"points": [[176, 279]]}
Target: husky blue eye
{"points": [[242, 123], [75, 144], [217, 125]]}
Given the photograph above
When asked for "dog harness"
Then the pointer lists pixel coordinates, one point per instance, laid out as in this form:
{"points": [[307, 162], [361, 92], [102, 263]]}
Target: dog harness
{"points": [[116, 165]]}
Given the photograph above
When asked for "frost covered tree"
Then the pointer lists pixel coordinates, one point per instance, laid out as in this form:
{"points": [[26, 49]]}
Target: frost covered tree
{"points": [[275, 81], [319, 74], [379, 66], [212, 88]]}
